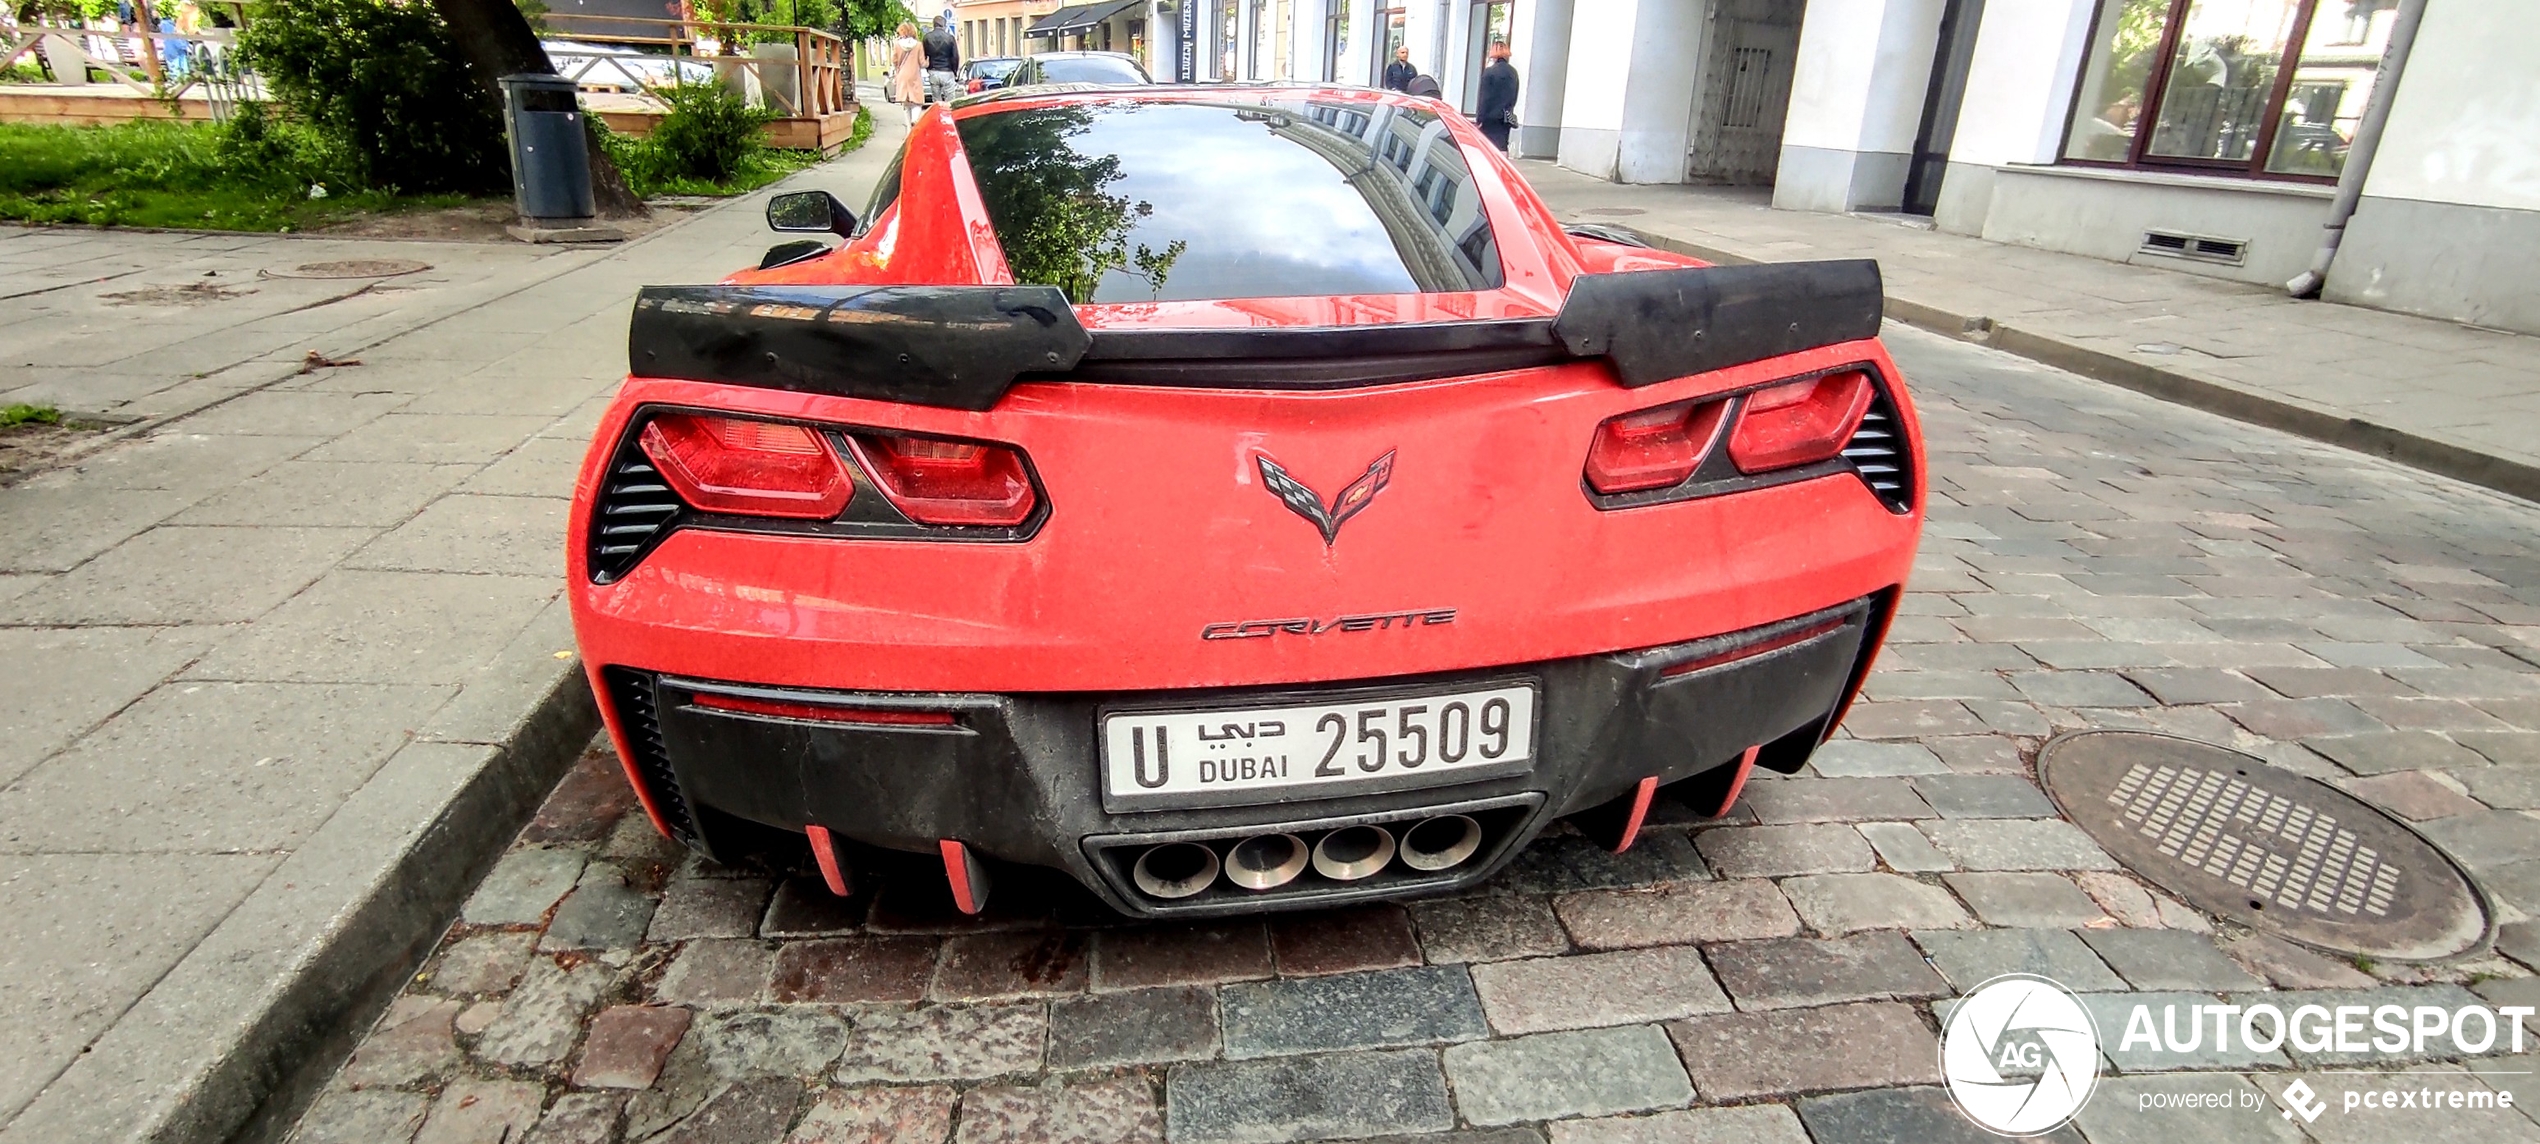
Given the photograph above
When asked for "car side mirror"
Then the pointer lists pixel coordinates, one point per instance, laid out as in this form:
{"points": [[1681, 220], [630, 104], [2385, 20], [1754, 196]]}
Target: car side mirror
{"points": [[810, 212]]}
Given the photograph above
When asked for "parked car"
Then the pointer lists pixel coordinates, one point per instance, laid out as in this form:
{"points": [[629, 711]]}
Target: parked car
{"points": [[988, 74], [1078, 67], [1237, 499]]}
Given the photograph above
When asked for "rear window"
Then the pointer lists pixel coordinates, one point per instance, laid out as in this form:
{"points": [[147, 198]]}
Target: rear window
{"points": [[1090, 69], [1133, 202]]}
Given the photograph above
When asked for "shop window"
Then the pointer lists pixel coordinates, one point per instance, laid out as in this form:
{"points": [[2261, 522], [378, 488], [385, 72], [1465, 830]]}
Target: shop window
{"points": [[2246, 87]]}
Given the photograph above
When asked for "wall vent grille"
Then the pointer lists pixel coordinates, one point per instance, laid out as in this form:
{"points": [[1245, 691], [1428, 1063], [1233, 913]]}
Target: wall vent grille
{"points": [[2203, 248]]}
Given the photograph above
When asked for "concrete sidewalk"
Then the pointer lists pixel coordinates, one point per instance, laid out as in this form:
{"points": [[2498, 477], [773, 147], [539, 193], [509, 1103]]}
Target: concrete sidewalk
{"points": [[291, 657], [2452, 399]]}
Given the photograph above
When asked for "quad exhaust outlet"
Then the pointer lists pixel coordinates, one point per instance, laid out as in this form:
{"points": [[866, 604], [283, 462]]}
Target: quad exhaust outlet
{"points": [[1353, 852], [1266, 861], [1262, 862], [1175, 870], [1441, 843]]}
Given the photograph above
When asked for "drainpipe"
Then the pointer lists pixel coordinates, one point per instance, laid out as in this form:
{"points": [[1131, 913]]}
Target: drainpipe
{"points": [[2350, 181]]}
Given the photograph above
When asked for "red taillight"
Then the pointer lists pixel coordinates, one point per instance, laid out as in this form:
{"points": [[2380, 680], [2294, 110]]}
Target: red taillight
{"points": [[1653, 448], [757, 468], [885, 716], [1799, 422], [936, 481]]}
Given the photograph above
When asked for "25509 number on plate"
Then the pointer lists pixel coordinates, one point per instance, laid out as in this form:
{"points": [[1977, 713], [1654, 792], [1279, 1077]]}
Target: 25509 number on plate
{"points": [[1235, 756]]}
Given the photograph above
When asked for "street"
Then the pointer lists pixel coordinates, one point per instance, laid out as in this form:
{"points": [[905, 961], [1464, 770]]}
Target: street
{"points": [[2095, 559]]}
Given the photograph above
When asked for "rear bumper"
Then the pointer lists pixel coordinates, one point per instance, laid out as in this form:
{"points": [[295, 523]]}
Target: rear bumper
{"points": [[1016, 776]]}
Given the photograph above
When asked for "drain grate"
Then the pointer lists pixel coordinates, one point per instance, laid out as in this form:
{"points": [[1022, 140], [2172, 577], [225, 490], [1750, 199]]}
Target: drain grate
{"points": [[2263, 846]]}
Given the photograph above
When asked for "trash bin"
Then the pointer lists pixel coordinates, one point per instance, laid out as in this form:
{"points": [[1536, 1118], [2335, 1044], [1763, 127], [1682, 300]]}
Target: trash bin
{"points": [[551, 171]]}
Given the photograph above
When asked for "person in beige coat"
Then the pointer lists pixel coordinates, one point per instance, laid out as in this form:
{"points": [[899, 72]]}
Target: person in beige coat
{"points": [[908, 71]]}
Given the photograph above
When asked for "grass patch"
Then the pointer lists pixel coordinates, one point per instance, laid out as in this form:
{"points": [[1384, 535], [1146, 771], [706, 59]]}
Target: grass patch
{"points": [[25, 414], [862, 132], [163, 174]]}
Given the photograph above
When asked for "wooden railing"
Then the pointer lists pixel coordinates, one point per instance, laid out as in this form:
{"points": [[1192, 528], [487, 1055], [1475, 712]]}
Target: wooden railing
{"points": [[138, 59], [650, 54]]}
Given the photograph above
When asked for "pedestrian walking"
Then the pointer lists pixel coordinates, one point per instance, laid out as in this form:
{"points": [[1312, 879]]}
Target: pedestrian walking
{"points": [[1398, 73], [943, 61], [1497, 110], [908, 72]]}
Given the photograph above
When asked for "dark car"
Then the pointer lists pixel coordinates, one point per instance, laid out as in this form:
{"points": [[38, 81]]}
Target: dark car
{"points": [[1078, 67], [1238, 499], [989, 74]]}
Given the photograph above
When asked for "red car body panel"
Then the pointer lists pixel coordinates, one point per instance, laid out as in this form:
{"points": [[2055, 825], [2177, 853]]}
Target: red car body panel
{"points": [[1116, 587], [1158, 527]]}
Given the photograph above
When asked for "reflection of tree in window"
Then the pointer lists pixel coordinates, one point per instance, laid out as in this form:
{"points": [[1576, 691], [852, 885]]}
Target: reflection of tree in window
{"points": [[2120, 68], [1057, 223]]}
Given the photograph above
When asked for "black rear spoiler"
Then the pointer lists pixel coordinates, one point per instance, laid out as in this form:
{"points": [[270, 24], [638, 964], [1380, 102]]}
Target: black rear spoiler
{"points": [[963, 347]]}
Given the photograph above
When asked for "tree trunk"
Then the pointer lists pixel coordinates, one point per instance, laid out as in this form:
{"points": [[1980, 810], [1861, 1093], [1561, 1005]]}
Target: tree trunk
{"points": [[497, 41]]}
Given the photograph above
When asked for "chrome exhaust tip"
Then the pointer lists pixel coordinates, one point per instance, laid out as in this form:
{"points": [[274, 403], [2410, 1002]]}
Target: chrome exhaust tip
{"points": [[1353, 852], [1266, 861], [1441, 843], [1175, 870]]}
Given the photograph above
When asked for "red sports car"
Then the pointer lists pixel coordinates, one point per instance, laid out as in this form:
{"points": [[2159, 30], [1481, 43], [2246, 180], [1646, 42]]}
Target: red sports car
{"points": [[1238, 499]]}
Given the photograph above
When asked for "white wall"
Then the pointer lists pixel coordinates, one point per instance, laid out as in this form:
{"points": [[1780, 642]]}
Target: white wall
{"points": [[1666, 51], [1838, 46], [1420, 29], [1306, 48], [1593, 88], [1539, 48], [2465, 125], [1630, 123], [1856, 102], [2020, 83]]}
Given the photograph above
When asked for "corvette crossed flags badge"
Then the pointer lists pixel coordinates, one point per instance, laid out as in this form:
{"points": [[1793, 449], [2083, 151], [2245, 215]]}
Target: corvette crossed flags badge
{"points": [[1305, 503]]}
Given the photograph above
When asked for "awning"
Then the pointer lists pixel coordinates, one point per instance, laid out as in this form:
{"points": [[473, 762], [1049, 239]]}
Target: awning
{"points": [[1076, 18]]}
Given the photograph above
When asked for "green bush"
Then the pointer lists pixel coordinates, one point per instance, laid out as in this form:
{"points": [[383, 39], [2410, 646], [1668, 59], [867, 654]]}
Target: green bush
{"points": [[386, 85], [710, 133], [258, 147]]}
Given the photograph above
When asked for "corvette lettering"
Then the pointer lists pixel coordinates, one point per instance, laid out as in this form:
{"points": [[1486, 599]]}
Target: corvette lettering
{"points": [[1309, 626]]}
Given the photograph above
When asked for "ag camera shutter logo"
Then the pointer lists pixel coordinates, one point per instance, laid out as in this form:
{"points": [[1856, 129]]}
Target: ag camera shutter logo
{"points": [[2021, 1055]]}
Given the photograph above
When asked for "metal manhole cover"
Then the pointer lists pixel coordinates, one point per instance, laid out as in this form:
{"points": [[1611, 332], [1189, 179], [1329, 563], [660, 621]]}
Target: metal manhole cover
{"points": [[353, 268], [2264, 846]]}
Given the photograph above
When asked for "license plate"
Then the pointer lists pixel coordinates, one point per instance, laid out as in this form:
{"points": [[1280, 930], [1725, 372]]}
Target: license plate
{"points": [[1236, 755]]}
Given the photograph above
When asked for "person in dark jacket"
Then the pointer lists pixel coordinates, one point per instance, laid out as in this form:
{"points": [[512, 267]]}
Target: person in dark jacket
{"points": [[1398, 73], [943, 61], [1496, 110]]}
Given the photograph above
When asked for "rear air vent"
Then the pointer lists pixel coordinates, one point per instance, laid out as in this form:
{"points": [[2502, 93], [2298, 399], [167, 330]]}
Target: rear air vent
{"points": [[2203, 248], [639, 716], [634, 510], [1877, 452]]}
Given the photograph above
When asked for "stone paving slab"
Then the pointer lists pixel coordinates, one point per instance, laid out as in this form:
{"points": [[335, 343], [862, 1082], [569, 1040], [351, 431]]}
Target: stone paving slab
{"points": [[290, 642]]}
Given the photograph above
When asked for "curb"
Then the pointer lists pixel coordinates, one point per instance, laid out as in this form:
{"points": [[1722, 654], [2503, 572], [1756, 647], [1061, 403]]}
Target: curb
{"points": [[260, 1085], [2443, 458]]}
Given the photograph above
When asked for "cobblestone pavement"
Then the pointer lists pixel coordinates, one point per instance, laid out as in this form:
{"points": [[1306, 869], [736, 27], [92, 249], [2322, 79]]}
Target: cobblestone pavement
{"points": [[2095, 559]]}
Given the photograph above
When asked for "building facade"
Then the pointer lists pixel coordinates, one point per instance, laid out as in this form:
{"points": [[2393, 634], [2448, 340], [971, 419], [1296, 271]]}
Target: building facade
{"points": [[2208, 136]]}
